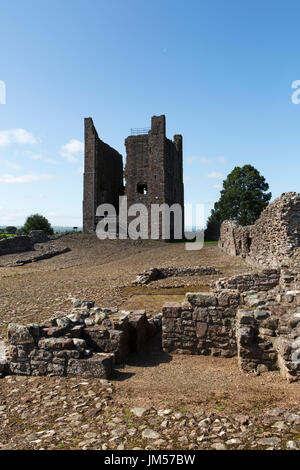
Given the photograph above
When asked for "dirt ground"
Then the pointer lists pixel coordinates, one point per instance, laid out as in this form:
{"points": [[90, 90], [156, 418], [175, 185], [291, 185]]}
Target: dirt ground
{"points": [[103, 271]]}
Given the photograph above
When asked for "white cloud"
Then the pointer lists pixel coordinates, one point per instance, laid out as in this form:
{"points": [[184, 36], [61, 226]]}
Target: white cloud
{"points": [[18, 136], [9, 164], [202, 160], [39, 156], [27, 178], [215, 175], [21, 136], [217, 186], [187, 178], [73, 150], [205, 160], [4, 138], [192, 159]]}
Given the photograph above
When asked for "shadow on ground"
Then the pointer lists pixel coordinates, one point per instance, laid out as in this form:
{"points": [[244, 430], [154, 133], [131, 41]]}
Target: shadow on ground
{"points": [[151, 356]]}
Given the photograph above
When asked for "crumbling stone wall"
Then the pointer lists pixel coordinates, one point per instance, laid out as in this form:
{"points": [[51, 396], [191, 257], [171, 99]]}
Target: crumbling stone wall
{"points": [[87, 342], [154, 274], [103, 176], [272, 239], [254, 332], [261, 327], [16, 244], [262, 281], [204, 325], [38, 236]]}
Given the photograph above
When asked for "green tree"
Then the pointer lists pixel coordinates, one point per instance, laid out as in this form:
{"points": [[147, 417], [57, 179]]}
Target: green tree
{"points": [[212, 232], [37, 222], [11, 229], [243, 197]]}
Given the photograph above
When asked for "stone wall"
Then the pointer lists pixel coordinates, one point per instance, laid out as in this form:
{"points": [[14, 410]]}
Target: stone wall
{"points": [[273, 238], [87, 342], [155, 274], [38, 236], [255, 331], [203, 325], [254, 316], [17, 244], [103, 176], [262, 281]]}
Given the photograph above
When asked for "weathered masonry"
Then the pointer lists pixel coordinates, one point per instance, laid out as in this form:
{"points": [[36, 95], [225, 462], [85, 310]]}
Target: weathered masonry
{"points": [[272, 239], [254, 316], [103, 176], [153, 171]]}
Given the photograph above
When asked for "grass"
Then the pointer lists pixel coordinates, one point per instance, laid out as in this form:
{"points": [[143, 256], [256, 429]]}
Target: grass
{"points": [[205, 243], [6, 235]]}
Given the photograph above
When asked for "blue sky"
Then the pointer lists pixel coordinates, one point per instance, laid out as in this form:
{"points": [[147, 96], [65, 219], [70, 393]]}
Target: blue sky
{"points": [[221, 71]]}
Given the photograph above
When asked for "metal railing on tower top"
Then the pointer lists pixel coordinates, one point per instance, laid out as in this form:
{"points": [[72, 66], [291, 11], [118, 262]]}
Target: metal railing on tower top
{"points": [[139, 131]]}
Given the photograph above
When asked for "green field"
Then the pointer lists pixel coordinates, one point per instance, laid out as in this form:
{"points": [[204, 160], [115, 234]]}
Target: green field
{"points": [[6, 235]]}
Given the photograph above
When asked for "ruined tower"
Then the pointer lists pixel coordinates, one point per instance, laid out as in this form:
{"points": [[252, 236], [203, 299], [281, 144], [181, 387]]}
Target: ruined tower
{"points": [[153, 171], [103, 176]]}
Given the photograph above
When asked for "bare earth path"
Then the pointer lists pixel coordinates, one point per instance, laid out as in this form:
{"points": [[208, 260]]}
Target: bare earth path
{"points": [[199, 382]]}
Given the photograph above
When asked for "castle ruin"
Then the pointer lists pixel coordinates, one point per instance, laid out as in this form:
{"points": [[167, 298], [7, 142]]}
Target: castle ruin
{"points": [[272, 239], [153, 171]]}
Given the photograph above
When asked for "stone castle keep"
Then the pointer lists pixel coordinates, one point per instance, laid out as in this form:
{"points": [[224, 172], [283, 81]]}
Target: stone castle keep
{"points": [[153, 170]]}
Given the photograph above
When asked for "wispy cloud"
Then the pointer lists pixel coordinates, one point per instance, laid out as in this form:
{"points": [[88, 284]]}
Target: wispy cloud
{"points": [[18, 136], [27, 178], [191, 159], [202, 160], [41, 157], [73, 150], [10, 165], [187, 178], [205, 160], [217, 186], [215, 175]]}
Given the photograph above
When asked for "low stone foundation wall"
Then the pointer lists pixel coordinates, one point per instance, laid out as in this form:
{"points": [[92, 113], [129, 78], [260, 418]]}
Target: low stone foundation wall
{"points": [[203, 325], [38, 236], [87, 342], [16, 244], [262, 281], [255, 331], [261, 327], [34, 259], [155, 274]]}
